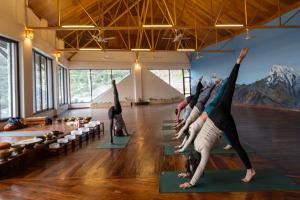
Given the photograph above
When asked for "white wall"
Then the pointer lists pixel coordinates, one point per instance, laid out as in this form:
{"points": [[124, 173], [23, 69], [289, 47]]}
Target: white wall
{"points": [[12, 25]]}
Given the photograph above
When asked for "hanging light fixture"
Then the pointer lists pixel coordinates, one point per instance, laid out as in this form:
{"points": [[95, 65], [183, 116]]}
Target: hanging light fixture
{"points": [[57, 55], [29, 34]]}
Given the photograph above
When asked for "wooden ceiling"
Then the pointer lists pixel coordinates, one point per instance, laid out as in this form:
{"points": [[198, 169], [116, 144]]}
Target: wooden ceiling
{"points": [[193, 18]]}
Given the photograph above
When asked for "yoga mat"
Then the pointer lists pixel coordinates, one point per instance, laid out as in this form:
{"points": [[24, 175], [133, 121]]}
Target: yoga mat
{"points": [[167, 128], [23, 133], [169, 150], [228, 181], [167, 137], [119, 143]]}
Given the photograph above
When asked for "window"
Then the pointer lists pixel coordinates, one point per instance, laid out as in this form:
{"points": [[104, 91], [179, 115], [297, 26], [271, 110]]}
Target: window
{"points": [[86, 85], [62, 85], [179, 79], [80, 86], [8, 78], [43, 85]]}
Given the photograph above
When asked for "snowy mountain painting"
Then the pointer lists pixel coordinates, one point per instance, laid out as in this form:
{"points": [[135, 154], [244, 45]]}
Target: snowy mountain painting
{"points": [[281, 88]]}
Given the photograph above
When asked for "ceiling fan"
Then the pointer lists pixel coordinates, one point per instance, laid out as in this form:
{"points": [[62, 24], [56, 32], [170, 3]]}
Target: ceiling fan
{"points": [[197, 56], [248, 36], [103, 39], [178, 36]]}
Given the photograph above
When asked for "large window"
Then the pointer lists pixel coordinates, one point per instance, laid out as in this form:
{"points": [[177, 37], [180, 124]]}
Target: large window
{"points": [[86, 85], [62, 74], [8, 78], [43, 86], [179, 79]]}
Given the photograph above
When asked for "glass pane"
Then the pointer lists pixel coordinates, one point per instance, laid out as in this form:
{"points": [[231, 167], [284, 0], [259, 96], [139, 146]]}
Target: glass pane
{"points": [[65, 77], [44, 83], [38, 95], [162, 74], [119, 75], [186, 73], [59, 76], [80, 86], [176, 78], [5, 80], [187, 85], [50, 88], [101, 81]]}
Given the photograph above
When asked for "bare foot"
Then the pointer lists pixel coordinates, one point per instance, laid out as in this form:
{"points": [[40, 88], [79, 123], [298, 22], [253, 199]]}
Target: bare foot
{"points": [[178, 147], [242, 55], [183, 175], [249, 175], [228, 147]]}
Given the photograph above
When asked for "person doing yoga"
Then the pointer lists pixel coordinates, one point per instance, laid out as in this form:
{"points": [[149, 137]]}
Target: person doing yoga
{"points": [[219, 120], [192, 103], [182, 106], [198, 108], [196, 126], [115, 116]]}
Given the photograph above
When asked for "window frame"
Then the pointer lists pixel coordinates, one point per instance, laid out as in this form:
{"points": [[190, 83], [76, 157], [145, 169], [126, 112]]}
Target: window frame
{"points": [[62, 79], [49, 87], [14, 79], [90, 80]]}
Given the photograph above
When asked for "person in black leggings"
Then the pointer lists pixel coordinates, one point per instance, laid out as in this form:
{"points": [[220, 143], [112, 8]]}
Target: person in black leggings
{"points": [[192, 103], [115, 114], [220, 120]]}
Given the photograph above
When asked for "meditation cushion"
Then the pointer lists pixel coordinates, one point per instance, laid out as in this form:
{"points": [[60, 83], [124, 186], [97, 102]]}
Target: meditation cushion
{"points": [[10, 127], [4, 145]]}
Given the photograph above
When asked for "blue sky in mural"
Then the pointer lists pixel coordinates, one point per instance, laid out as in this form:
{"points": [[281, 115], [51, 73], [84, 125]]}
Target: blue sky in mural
{"points": [[268, 47]]}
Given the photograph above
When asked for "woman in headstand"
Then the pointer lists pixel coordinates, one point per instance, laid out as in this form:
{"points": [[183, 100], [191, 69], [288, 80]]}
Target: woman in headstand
{"points": [[192, 103], [219, 120], [115, 115]]}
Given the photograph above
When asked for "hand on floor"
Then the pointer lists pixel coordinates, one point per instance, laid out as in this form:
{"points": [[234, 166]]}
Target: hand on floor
{"points": [[185, 185]]}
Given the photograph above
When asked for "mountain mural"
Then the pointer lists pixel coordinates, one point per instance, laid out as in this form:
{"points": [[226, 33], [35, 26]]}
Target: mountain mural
{"points": [[281, 88]]}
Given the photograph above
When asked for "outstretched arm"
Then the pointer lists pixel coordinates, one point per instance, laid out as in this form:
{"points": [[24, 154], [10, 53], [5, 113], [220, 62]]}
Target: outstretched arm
{"points": [[199, 170]]}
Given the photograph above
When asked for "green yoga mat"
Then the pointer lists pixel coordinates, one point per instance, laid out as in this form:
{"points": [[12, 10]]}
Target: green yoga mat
{"points": [[169, 150], [167, 128], [119, 143], [228, 181]]}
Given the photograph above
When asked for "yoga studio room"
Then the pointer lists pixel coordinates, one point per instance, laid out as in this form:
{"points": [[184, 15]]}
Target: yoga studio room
{"points": [[149, 99]]}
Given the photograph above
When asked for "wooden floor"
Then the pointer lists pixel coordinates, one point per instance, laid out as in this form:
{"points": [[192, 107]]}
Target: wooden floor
{"points": [[133, 173]]}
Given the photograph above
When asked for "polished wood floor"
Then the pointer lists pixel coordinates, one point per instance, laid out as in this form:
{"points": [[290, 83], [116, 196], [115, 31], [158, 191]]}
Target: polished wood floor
{"points": [[133, 173]]}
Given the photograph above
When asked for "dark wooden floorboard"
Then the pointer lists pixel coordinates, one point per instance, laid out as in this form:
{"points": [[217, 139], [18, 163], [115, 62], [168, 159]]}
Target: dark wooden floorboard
{"points": [[133, 172]]}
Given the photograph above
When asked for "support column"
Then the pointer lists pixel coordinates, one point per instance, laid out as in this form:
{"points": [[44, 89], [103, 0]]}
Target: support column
{"points": [[138, 87]]}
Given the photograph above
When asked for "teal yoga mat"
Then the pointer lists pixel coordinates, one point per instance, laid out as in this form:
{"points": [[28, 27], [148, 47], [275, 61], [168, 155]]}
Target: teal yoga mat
{"points": [[167, 128], [228, 181], [119, 143], [169, 150], [23, 133]]}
